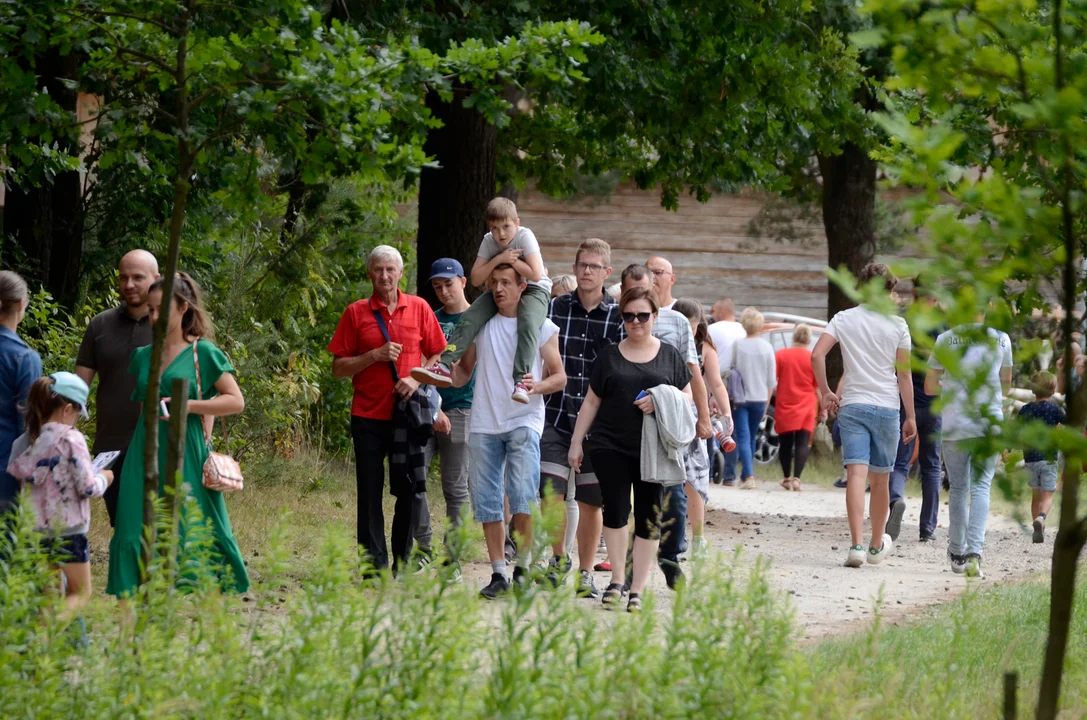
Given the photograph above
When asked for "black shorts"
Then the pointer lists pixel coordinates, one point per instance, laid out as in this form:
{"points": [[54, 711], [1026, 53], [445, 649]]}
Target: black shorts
{"points": [[555, 469], [68, 549]]}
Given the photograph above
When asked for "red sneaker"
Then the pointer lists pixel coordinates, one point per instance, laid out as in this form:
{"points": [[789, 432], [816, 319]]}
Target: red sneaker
{"points": [[520, 394], [602, 566], [437, 375]]}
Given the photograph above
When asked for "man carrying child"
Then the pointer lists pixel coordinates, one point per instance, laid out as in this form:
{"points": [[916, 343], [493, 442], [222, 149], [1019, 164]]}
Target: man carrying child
{"points": [[507, 243]]}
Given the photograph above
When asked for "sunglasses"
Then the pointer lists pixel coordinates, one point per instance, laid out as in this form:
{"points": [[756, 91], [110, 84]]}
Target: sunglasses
{"points": [[642, 317]]}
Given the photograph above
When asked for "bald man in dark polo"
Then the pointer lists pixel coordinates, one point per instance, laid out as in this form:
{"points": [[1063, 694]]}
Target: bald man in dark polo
{"points": [[106, 350]]}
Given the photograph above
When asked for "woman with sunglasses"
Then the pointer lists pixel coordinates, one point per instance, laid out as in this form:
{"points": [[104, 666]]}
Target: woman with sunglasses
{"points": [[614, 412]]}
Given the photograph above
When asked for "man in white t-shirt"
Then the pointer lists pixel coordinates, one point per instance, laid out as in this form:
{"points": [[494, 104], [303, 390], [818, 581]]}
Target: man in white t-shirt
{"points": [[724, 333], [876, 356], [981, 358], [503, 434]]}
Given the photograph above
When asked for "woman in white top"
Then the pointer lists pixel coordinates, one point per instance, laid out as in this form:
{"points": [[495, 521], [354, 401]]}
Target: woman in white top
{"points": [[754, 359]]}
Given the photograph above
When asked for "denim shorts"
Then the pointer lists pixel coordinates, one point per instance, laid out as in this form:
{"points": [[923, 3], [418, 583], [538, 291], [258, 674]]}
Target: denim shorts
{"points": [[505, 464], [1043, 476], [68, 549], [870, 436]]}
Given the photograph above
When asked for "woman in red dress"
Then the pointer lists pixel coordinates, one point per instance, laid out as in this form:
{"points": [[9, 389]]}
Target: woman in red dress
{"points": [[797, 403]]}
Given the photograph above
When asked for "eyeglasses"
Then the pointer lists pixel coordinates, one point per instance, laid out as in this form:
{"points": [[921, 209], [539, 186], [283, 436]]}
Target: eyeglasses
{"points": [[658, 272], [642, 317], [591, 267]]}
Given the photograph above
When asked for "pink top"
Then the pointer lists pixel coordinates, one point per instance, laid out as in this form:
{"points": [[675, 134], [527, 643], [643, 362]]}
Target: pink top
{"points": [[57, 467]]}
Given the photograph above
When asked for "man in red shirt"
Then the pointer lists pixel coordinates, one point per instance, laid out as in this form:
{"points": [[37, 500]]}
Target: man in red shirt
{"points": [[363, 354]]}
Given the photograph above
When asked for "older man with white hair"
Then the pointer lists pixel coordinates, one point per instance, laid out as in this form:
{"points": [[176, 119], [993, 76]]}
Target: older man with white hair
{"points": [[377, 343]]}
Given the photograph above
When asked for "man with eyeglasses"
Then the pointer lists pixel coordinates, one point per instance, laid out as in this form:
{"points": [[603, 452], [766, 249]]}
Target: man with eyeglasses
{"points": [[673, 328], [664, 279], [588, 320]]}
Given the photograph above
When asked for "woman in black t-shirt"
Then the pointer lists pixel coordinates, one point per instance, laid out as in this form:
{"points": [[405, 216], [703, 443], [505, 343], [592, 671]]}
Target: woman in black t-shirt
{"points": [[615, 415]]}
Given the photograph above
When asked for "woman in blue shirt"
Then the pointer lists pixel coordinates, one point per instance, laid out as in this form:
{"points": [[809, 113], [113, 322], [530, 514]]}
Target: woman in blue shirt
{"points": [[19, 368]]}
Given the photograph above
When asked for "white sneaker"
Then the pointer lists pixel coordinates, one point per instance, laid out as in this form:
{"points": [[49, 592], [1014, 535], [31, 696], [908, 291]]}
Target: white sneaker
{"points": [[855, 559], [958, 563], [876, 555]]}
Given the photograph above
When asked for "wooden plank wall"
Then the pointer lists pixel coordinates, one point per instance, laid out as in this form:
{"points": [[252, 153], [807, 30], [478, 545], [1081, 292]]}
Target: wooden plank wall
{"points": [[709, 245]]}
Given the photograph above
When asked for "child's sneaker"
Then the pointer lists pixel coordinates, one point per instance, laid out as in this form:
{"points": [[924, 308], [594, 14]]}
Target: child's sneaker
{"points": [[958, 563], [520, 394], [437, 375], [973, 566], [855, 558], [876, 555], [1039, 529]]}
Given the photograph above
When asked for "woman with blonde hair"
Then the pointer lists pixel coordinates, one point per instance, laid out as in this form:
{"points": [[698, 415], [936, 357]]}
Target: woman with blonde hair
{"points": [[753, 358], [796, 406]]}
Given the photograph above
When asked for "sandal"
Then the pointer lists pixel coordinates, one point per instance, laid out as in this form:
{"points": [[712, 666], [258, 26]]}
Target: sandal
{"points": [[634, 603], [786, 483], [796, 484], [612, 594]]}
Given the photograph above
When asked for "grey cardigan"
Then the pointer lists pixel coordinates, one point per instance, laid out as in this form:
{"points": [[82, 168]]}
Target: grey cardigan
{"points": [[665, 435]]}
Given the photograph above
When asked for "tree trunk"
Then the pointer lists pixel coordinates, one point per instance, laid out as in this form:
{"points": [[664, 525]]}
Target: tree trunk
{"points": [[453, 197], [849, 209], [46, 221]]}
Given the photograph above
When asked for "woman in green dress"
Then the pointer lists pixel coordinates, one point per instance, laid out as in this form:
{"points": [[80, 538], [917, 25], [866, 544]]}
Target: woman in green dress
{"points": [[189, 324]]}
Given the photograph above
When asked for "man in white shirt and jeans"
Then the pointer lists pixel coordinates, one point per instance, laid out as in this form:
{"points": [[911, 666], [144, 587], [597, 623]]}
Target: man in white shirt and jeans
{"points": [[504, 435], [876, 356], [983, 356], [724, 333]]}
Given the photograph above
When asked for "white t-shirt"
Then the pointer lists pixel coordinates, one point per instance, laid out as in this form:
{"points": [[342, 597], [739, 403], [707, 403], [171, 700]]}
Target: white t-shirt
{"points": [[524, 240], [493, 410], [870, 344], [724, 334], [965, 414], [758, 367]]}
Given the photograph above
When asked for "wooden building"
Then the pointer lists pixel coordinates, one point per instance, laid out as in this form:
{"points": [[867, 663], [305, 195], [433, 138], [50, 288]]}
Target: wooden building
{"points": [[711, 246]]}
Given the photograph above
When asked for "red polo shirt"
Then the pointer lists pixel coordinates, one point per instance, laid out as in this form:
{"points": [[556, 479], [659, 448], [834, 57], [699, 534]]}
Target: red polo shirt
{"points": [[413, 325]]}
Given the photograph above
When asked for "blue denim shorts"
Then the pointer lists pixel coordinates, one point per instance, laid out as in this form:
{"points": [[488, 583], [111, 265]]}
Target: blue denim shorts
{"points": [[870, 436], [1043, 476], [506, 464]]}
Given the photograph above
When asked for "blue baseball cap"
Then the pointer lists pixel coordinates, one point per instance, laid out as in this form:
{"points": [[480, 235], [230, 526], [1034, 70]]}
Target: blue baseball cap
{"points": [[71, 387], [446, 268]]}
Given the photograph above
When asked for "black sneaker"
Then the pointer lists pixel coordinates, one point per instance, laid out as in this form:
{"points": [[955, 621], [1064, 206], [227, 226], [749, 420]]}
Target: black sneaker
{"points": [[673, 574], [927, 537], [498, 587], [520, 579], [586, 588], [894, 519], [557, 570], [841, 483]]}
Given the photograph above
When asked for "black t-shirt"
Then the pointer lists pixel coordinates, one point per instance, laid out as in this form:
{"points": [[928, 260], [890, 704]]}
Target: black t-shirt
{"points": [[1048, 413], [617, 381]]}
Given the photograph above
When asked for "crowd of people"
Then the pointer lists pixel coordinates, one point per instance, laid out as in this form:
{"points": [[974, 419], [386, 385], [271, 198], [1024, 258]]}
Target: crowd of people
{"points": [[602, 404]]}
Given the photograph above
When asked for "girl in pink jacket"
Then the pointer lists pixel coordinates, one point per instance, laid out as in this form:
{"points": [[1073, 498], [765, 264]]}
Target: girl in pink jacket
{"points": [[57, 469]]}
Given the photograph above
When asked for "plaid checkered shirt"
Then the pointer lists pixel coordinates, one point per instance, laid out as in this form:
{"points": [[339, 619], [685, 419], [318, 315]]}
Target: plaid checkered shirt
{"points": [[582, 334]]}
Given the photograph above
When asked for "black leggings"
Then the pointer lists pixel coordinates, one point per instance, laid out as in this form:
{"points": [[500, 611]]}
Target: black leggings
{"points": [[617, 473], [794, 451]]}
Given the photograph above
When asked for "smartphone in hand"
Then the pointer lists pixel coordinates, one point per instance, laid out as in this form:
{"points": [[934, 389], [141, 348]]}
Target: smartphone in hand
{"points": [[164, 409]]}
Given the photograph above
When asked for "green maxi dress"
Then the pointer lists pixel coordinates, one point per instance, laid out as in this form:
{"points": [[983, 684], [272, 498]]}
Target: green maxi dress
{"points": [[124, 548]]}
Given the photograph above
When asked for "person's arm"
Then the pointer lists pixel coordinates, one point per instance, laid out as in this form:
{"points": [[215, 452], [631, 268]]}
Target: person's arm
{"points": [[531, 266], [229, 401], [345, 367], [701, 401], [933, 381], [555, 373], [88, 483], [461, 372], [714, 385], [85, 374], [819, 367], [905, 389], [482, 267], [585, 418]]}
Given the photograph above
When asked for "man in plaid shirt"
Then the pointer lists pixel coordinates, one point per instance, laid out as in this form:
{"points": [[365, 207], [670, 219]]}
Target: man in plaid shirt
{"points": [[588, 319]]}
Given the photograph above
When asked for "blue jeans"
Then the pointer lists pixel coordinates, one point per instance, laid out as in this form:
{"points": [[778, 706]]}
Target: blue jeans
{"points": [[929, 425], [971, 477], [673, 523], [747, 417], [870, 436], [488, 480]]}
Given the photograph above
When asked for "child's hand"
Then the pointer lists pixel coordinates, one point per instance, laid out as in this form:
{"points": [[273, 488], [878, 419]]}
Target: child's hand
{"points": [[510, 255], [108, 475]]}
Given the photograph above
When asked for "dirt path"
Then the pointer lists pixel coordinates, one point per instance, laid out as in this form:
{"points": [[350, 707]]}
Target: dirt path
{"points": [[805, 536]]}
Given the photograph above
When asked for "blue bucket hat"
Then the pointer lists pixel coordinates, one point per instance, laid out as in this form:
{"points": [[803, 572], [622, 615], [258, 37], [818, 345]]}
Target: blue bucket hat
{"points": [[71, 387]]}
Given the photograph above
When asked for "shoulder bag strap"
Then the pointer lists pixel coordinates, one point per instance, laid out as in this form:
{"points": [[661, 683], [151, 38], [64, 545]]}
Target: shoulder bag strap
{"points": [[385, 332]]}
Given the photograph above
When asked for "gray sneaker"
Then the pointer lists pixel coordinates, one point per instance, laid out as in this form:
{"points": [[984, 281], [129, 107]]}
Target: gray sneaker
{"points": [[586, 588], [958, 563], [894, 519], [1039, 529], [973, 566]]}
